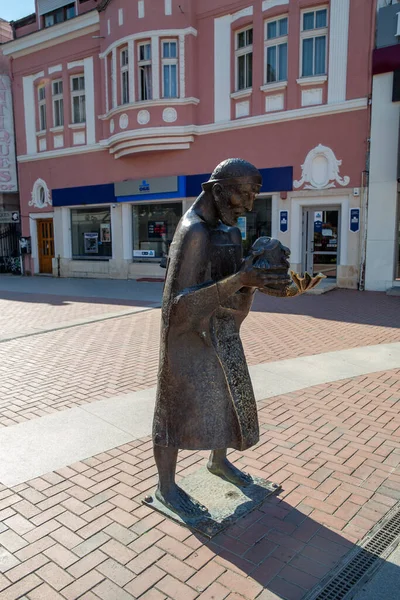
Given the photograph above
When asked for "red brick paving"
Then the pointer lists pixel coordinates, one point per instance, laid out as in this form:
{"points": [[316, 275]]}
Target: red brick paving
{"points": [[62, 369], [335, 448]]}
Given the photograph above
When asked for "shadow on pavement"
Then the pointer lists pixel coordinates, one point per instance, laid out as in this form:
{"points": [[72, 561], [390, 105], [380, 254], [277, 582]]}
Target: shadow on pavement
{"points": [[350, 306], [287, 553]]}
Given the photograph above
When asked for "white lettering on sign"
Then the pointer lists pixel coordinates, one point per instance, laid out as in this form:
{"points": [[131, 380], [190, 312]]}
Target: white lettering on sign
{"points": [[398, 24], [8, 169]]}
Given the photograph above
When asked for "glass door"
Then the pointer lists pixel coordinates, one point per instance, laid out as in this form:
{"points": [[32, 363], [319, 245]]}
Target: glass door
{"points": [[321, 231]]}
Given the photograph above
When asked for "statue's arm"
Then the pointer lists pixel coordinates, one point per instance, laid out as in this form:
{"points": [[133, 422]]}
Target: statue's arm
{"points": [[195, 298]]}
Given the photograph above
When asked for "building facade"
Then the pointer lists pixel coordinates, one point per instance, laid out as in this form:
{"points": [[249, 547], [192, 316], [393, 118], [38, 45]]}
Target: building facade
{"points": [[383, 232], [125, 107], [9, 198]]}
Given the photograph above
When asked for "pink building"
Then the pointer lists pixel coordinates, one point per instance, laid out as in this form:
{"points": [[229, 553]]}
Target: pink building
{"points": [[123, 107]]}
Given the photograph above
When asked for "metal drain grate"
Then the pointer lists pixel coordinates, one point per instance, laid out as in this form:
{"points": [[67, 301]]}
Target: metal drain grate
{"points": [[362, 561]]}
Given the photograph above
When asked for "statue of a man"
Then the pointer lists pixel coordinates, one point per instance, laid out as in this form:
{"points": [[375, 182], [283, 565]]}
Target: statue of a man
{"points": [[205, 399]]}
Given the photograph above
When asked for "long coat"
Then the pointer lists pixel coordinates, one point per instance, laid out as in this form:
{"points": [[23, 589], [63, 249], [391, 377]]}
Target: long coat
{"points": [[205, 399]]}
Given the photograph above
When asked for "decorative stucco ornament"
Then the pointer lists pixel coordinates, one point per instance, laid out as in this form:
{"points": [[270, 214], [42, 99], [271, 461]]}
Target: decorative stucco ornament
{"points": [[169, 115], [123, 121], [112, 126], [143, 117], [321, 170], [40, 194]]}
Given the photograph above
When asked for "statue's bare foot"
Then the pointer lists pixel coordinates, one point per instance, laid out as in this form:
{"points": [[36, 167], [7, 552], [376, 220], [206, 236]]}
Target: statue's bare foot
{"points": [[225, 469], [177, 500]]}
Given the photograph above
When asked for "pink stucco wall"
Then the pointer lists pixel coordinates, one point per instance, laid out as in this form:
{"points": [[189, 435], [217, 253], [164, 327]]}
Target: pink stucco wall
{"points": [[268, 145]]}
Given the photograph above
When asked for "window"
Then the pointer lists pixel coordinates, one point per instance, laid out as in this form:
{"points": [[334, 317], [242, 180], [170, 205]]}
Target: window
{"points": [[58, 104], [170, 69], [78, 99], [144, 68], [244, 59], [314, 31], [42, 107], [91, 233], [276, 50], [58, 16], [154, 227], [124, 76]]}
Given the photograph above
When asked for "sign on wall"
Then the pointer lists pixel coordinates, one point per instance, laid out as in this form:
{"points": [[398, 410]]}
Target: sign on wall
{"points": [[156, 185], [8, 168], [283, 221], [354, 220], [9, 216]]}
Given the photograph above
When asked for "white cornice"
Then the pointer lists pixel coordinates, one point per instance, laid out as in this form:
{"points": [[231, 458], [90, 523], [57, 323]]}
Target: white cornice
{"points": [[141, 35], [50, 36], [59, 153], [308, 112]]}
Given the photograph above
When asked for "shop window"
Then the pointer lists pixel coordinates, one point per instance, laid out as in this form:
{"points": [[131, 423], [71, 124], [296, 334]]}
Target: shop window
{"points": [[256, 223], [145, 73], [314, 33], [276, 50], [244, 59], [91, 233], [170, 68], [154, 227]]}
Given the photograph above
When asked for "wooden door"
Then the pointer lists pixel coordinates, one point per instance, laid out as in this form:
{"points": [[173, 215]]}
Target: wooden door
{"points": [[45, 245]]}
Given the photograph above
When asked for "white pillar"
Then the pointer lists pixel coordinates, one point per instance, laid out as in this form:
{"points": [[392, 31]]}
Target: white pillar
{"points": [[338, 50], [222, 68], [90, 100], [127, 238], [114, 77]]}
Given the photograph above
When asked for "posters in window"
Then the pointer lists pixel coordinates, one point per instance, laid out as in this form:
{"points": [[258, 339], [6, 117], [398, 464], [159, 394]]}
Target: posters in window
{"points": [[91, 243], [157, 229], [105, 233], [242, 224]]}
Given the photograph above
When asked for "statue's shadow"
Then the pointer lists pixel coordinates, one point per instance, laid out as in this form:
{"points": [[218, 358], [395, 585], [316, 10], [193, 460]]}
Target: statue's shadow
{"points": [[225, 502]]}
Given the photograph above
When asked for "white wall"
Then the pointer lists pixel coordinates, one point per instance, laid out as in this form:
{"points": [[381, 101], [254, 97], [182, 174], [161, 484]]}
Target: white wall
{"points": [[382, 204]]}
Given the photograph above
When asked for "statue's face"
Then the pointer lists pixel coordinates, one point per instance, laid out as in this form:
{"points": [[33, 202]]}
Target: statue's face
{"points": [[234, 201]]}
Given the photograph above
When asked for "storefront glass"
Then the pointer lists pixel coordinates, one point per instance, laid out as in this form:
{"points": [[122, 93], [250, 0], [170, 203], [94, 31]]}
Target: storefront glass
{"points": [[397, 275], [154, 227], [256, 223], [91, 233]]}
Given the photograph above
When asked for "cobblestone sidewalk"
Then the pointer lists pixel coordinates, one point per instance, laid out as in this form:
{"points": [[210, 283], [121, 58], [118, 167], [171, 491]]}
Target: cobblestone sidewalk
{"points": [[82, 533]]}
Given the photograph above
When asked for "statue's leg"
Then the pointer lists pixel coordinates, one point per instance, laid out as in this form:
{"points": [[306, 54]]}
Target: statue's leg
{"points": [[218, 464], [167, 492]]}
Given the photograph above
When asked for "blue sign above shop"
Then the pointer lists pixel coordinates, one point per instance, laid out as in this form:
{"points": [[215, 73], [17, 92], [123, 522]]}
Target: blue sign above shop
{"points": [[283, 221], [354, 220], [156, 188], [83, 195], [278, 179]]}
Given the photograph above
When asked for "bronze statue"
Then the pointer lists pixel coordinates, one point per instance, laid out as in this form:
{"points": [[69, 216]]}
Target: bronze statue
{"points": [[205, 399]]}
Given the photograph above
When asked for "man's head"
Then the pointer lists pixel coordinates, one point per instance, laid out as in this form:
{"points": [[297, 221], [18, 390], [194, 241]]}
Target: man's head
{"points": [[234, 184]]}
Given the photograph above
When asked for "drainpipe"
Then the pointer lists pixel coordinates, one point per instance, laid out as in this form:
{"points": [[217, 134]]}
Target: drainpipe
{"points": [[363, 241], [58, 266]]}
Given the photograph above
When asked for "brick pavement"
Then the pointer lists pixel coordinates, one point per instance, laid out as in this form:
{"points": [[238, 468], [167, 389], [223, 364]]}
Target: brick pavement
{"points": [[61, 369], [81, 532]]}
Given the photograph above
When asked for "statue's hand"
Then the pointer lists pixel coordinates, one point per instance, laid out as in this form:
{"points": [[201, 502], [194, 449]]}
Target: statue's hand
{"points": [[257, 278], [306, 283]]}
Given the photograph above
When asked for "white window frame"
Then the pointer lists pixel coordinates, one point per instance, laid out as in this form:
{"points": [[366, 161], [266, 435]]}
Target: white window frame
{"points": [[124, 67], [58, 99], [77, 93], [42, 107], [144, 63], [276, 41], [170, 61], [241, 52], [314, 33]]}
